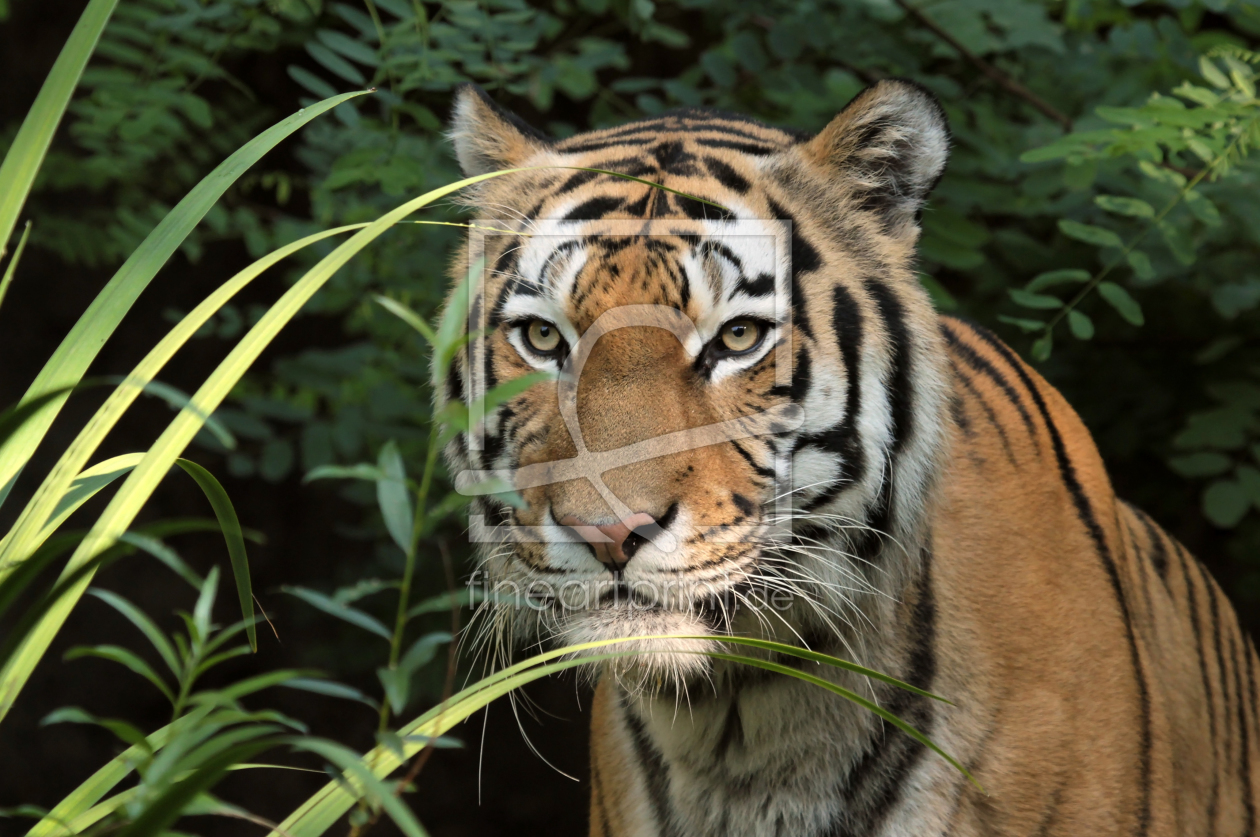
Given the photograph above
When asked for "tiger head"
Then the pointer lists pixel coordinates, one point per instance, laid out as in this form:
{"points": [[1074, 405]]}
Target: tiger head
{"points": [[739, 427]]}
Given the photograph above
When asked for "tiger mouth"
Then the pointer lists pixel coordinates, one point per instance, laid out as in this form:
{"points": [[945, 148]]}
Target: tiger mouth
{"points": [[714, 611]]}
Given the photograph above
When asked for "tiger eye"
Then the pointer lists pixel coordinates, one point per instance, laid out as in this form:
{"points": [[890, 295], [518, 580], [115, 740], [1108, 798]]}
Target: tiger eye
{"points": [[542, 336], [740, 335]]}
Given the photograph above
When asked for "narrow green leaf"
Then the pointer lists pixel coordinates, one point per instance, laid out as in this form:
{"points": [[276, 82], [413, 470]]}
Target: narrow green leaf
{"points": [[1206, 464], [166, 555], [350, 762], [335, 64], [330, 688], [349, 47], [362, 471], [1089, 233], [1212, 74], [11, 270], [146, 626], [232, 534], [1225, 503], [1203, 209], [344, 612], [408, 316], [422, 652], [1026, 326], [311, 82], [1133, 207], [393, 498], [1126, 306], [1081, 326], [25, 156], [1249, 480], [1031, 300], [74, 715], [1053, 278], [123, 657], [397, 686], [203, 610], [1042, 347], [1141, 264], [453, 324], [1178, 241]]}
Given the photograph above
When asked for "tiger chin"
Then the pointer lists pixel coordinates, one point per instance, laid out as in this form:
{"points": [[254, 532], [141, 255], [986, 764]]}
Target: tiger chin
{"points": [[754, 423]]}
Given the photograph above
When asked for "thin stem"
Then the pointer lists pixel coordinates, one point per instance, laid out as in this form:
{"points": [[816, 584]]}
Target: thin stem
{"points": [[409, 565], [988, 69]]}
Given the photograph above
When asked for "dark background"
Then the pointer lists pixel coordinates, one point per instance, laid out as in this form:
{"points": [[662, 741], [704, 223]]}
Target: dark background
{"points": [[501, 787]]}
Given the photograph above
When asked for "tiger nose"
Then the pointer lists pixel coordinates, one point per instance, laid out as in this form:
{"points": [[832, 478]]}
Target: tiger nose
{"points": [[615, 543]]}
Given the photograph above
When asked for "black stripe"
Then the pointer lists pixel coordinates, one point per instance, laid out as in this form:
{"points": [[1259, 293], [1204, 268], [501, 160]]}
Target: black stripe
{"points": [[980, 364], [1217, 760], [1085, 512], [575, 180], [727, 176], [698, 211], [695, 123], [762, 285], [752, 463], [594, 209], [597, 796], [656, 772], [804, 257], [1240, 655], [755, 149], [1159, 550], [732, 730], [844, 439], [899, 385], [988, 411], [801, 375], [454, 383]]}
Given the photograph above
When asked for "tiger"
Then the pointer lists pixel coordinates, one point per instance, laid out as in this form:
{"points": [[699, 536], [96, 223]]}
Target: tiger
{"points": [[911, 496]]}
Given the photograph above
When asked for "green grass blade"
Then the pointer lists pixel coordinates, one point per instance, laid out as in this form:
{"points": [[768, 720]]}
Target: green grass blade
{"points": [[825, 659], [167, 808], [80, 347], [86, 485], [235, 538], [845, 693], [322, 810], [30, 529], [332, 801], [142, 481], [11, 270], [26, 155]]}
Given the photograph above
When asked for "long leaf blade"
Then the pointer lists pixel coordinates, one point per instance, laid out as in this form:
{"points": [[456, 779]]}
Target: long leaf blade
{"points": [[231, 525], [80, 347], [22, 162]]}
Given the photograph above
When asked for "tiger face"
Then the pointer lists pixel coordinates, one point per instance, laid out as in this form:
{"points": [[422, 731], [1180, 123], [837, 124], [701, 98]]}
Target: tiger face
{"points": [[730, 362]]}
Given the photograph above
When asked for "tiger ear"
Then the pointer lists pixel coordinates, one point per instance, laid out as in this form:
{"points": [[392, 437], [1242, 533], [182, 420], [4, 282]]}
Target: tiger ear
{"points": [[888, 145], [488, 137]]}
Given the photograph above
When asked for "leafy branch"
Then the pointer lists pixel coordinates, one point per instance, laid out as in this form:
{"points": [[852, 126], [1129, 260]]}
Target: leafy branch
{"points": [[1220, 131]]}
